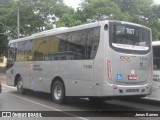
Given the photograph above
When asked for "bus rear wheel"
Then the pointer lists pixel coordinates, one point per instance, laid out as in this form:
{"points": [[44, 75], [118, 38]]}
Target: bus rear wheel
{"points": [[58, 92], [20, 88]]}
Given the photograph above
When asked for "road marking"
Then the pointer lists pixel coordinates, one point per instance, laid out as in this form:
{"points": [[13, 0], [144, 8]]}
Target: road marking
{"points": [[55, 109]]}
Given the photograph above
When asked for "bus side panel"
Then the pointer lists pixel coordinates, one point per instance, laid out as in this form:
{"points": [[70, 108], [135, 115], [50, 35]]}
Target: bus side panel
{"points": [[9, 78], [156, 85], [156, 71], [77, 76], [101, 86], [43, 74], [23, 69]]}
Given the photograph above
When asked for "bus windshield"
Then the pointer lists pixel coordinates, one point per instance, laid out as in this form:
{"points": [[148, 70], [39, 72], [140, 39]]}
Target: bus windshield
{"points": [[126, 37]]}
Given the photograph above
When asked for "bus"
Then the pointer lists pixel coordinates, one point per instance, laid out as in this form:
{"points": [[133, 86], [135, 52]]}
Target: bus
{"points": [[156, 71], [100, 60]]}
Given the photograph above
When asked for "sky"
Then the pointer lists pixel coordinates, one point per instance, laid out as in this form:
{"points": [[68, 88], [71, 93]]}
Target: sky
{"points": [[75, 3], [157, 1]]}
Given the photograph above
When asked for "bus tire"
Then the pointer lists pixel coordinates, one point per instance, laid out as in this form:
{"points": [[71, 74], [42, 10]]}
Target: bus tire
{"points": [[20, 88], [58, 92]]}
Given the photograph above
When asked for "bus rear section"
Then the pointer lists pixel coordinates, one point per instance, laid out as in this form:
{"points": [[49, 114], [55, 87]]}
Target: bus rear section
{"points": [[128, 60]]}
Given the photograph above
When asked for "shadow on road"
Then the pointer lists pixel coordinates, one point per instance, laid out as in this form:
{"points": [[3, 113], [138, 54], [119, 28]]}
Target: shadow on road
{"points": [[81, 103]]}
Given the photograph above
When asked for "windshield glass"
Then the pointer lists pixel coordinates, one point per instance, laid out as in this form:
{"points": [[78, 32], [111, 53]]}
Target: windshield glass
{"points": [[129, 37]]}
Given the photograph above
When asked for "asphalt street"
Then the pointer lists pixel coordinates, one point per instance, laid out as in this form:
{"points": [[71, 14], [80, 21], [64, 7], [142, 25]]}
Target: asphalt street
{"points": [[75, 109]]}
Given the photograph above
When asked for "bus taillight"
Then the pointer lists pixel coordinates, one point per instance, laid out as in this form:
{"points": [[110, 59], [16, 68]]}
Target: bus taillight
{"points": [[108, 69]]}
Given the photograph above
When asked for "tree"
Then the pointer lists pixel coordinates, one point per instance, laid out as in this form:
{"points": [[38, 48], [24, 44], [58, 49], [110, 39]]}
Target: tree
{"points": [[138, 11], [142, 12], [95, 10], [5, 30], [35, 16], [154, 22], [68, 20], [40, 15]]}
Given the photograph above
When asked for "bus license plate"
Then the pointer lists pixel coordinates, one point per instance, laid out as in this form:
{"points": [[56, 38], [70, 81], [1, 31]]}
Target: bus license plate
{"points": [[132, 77], [132, 90]]}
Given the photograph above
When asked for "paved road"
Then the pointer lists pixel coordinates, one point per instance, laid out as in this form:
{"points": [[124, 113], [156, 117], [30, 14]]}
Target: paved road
{"points": [[10, 100]]}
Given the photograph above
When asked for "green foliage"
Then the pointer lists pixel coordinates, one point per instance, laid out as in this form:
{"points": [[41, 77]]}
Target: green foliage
{"points": [[39, 15], [95, 10], [138, 11], [69, 20]]}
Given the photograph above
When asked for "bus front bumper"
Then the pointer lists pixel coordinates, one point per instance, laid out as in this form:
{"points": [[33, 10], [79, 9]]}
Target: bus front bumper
{"points": [[113, 90], [122, 90]]}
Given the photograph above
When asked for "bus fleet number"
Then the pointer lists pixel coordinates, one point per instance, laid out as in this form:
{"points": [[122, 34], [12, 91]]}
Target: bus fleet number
{"points": [[130, 31], [87, 66]]}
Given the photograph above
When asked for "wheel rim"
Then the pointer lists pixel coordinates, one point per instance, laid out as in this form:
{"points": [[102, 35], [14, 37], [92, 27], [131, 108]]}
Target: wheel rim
{"points": [[20, 86], [57, 92]]}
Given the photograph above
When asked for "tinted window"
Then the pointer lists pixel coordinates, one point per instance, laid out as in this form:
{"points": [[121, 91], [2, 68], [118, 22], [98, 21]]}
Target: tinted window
{"points": [[126, 38], [83, 44], [156, 57], [76, 45], [24, 51], [42, 48]]}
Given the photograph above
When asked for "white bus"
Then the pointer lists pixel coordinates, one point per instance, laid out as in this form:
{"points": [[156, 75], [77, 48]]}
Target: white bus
{"points": [[156, 71], [97, 61]]}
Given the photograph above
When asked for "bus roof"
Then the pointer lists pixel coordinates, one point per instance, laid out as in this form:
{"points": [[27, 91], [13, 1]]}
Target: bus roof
{"points": [[57, 31], [70, 29], [156, 43], [52, 30]]}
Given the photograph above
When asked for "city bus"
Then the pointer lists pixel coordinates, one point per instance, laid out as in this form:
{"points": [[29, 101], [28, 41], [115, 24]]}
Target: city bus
{"points": [[100, 60], [156, 71]]}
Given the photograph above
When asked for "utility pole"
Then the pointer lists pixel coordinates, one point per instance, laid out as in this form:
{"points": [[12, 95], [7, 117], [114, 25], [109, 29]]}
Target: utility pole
{"points": [[18, 31]]}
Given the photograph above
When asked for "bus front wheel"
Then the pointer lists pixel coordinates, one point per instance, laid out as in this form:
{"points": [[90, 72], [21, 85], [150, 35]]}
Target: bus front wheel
{"points": [[58, 92], [20, 88]]}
